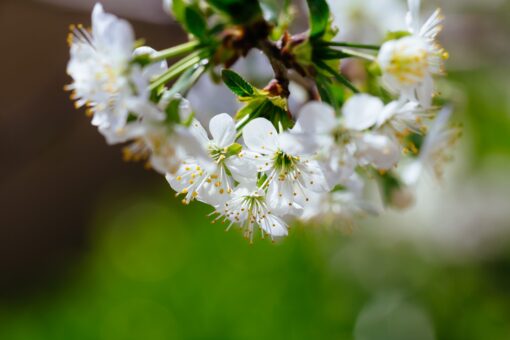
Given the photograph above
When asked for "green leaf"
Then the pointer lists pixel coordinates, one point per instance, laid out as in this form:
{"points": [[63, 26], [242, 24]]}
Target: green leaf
{"points": [[319, 17], [178, 9], [275, 11], [239, 11], [195, 22], [237, 84], [277, 116], [250, 107], [337, 75]]}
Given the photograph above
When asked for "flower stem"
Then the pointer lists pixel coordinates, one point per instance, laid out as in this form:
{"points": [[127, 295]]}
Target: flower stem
{"points": [[346, 44], [174, 51], [357, 54], [338, 76], [176, 69]]}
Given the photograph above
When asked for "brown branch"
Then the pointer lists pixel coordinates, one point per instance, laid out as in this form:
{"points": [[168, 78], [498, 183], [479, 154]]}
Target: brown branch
{"points": [[280, 70]]}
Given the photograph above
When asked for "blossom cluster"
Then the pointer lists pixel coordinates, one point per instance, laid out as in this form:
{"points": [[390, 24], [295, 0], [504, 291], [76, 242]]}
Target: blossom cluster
{"points": [[264, 169]]}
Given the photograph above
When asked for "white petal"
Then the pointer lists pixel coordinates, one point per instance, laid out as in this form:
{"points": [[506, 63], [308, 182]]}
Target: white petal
{"points": [[242, 169], [188, 145], [185, 109], [281, 198], [260, 136], [362, 111], [378, 150], [413, 16], [223, 130], [412, 173], [296, 144], [152, 70], [274, 226], [425, 91], [112, 35], [315, 117], [199, 132], [314, 177], [388, 112]]}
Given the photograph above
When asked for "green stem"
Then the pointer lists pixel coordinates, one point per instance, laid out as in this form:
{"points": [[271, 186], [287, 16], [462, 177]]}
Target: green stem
{"points": [[338, 76], [174, 51], [345, 44], [188, 78], [176, 69], [357, 54]]}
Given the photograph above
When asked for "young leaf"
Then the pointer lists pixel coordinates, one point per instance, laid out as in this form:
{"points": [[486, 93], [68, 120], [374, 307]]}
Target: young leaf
{"points": [[237, 84], [178, 9], [250, 108], [319, 17], [195, 22]]}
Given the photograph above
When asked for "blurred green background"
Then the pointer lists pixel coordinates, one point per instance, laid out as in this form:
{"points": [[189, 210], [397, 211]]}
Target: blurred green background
{"points": [[95, 249]]}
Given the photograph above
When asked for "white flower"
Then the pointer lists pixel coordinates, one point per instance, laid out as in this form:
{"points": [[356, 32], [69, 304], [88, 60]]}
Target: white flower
{"points": [[366, 21], [103, 77], [289, 175], [317, 132], [248, 208], [402, 117], [361, 112], [165, 147], [338, 208], [409, 63], [434, 151], [212, 181], [165, 144], [313, 129], [378, 150], [374, 128]]}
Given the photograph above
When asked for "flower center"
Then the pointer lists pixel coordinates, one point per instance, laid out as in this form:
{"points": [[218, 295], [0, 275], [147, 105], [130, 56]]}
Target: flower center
{"points": [[409, 64], [283, 162], [218, 154]]}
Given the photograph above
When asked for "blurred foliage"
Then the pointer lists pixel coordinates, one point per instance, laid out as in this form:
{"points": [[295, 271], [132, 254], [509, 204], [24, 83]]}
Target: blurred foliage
{"points": [[487, 111], [159, 271]]}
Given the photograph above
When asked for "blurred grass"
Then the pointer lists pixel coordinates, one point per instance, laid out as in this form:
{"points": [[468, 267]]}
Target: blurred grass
{"points": [[158, 270]]}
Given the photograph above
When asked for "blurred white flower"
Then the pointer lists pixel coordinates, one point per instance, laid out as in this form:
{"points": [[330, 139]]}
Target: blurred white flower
{"points": [[338, 208], [434, 152], [409, 63], [367, 21], [316, 132], [164, 145], [361, 112], [103, 77], [378, 150]]}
